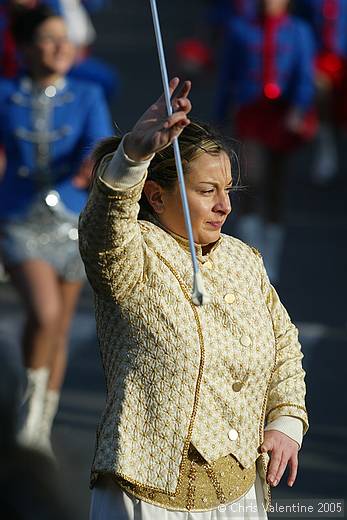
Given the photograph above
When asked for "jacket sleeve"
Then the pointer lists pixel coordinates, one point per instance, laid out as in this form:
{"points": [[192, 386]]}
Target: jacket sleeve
{"points": [[97, 123], [287, 389], [110, 237], [290, 426]]}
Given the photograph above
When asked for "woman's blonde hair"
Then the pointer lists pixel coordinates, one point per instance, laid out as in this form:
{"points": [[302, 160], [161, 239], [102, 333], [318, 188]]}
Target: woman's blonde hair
{"points": [[197, 138]]}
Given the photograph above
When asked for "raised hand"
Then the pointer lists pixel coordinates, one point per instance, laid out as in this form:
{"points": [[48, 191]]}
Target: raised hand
{"points": [[155, 130]]}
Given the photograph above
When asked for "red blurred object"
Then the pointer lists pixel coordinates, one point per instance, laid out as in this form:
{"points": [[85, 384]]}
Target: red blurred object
{"points": [[272, 90], [330, 9], [332, 66], [193, 55], [340, 99], [8, 58], [265, 121]]}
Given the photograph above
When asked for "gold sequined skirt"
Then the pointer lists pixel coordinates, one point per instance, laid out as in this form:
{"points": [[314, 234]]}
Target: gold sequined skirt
{"points": [[202, 486]]}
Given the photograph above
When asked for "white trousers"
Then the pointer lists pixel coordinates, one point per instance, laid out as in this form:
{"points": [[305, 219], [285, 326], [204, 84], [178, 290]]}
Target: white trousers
{"points": [[109, 502]]}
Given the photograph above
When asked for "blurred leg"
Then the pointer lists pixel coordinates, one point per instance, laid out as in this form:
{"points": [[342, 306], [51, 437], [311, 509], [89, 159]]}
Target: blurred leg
{"points": [[250, 226], [255, 166], [273, 200], [273, 187], [69, 292], [37, 283], [325, 159]]}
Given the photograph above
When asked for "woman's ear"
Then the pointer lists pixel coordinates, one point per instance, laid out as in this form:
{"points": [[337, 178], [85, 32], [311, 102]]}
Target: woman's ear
{"points": [[154, 195]]}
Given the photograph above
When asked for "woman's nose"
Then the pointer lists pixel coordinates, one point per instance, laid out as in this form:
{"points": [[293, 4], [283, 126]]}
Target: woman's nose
{"points": [[223, 204]]}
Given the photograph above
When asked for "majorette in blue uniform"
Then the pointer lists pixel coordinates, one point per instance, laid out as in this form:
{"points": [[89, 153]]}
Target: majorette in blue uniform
{"points": [[47, 134], [91, 68], [267, 70], [328, 19]]}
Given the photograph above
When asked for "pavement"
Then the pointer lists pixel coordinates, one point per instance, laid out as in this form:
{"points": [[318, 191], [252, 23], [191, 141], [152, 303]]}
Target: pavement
{"points": [[313, 283]]}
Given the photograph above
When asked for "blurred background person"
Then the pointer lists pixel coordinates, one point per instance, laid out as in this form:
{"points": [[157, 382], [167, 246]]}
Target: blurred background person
{"points": [[266, 85], [48, 125], [77, 16], [328, 19]]}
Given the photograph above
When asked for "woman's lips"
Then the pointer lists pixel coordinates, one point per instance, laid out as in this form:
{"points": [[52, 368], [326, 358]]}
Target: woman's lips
{"points": [[216, 224]]}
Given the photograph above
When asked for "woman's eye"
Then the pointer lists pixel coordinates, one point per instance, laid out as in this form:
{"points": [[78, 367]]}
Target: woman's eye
{"points": [[208, 191]]}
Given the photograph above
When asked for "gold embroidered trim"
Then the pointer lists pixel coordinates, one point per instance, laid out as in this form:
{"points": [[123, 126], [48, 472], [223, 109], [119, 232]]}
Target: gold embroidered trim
{"points": [[196, 396], [216, 484], [191, 486], [256, 251], [203, 486], [262, 421], [201, 365], [287, 404]]}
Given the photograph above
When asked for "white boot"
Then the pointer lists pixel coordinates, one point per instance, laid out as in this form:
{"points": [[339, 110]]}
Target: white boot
{"points": [[325, 166], [35, 395], [250, 229], [274, 238], [50, 409]]}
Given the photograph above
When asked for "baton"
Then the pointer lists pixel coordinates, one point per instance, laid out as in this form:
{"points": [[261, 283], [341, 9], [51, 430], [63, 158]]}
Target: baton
{"points": [[199, 296]]}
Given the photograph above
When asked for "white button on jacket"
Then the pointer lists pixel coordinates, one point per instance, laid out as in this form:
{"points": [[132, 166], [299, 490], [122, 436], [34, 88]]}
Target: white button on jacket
{"points": [[233, 434], [229, 298]]}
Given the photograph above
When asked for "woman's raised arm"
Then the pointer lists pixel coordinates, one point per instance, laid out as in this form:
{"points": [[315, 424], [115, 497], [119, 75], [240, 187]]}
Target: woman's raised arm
{"points": [[110, 237]]}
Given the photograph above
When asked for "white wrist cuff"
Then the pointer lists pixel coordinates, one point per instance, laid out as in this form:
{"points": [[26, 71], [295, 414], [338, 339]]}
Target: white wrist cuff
{"points": [[120, 171], [291, 426]]}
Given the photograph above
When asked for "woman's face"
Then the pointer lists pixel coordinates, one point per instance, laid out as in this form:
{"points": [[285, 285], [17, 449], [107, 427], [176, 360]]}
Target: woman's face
{"points": [[208, 184], [275, 7], [52, 51]]}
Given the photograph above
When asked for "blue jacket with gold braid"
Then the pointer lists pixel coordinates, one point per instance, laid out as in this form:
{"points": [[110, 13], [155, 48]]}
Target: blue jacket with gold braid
{"points": [[46, 135]]}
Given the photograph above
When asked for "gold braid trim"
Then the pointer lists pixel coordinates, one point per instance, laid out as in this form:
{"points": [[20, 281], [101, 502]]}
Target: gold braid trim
{"points": [[190, 503], [268, 498], [256, 251], [120, 477], [202, 486], [287, 404], [201, 366]]}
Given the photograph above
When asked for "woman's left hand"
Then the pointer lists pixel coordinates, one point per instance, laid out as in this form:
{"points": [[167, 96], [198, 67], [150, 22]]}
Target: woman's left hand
{"points": [[283, 450]]}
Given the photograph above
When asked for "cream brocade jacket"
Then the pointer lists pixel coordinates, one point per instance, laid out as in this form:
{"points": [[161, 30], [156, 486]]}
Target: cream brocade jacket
{"points": [[176, 373]]}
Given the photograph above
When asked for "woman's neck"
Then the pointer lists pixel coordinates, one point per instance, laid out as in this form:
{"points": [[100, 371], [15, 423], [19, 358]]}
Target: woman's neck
{"points": [[44, 80], [275, 15]]}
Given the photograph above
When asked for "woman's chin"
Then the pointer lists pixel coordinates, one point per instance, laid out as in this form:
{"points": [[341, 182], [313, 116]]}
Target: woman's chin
{"points": [[209, 237]]}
